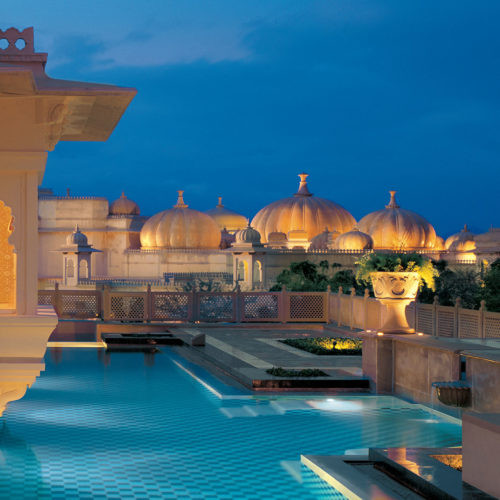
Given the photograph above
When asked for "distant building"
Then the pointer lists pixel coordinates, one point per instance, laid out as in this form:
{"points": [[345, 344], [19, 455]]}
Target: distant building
{"points": [[181, 244]]}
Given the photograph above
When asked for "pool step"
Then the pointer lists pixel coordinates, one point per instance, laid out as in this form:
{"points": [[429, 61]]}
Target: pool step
{"points": [[139, 342], [394, 473]]}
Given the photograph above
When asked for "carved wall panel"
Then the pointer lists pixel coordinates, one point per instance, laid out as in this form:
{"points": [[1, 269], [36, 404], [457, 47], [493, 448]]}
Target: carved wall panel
{"points": [[7, 260]]}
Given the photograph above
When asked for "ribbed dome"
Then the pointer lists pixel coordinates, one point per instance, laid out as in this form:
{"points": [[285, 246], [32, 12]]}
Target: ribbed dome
{"points": [[324, 240], [394, 228], [353, 240], [124, 206], [303, 211], [461, 242], [180, 227], [77, 238], [248, 235], [439, 243], [227, 219]]}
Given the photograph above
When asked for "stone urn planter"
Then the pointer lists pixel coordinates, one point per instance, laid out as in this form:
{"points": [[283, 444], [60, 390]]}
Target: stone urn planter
{"points": [[395, 290], [456, 393]]}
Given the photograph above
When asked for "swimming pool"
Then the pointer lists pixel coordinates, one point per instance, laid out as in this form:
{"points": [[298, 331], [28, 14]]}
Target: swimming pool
{"points": [[137, 426]]}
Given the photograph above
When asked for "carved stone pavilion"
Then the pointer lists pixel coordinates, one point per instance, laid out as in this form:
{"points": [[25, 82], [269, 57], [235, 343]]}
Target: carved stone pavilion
{"points": [[36, 112]]}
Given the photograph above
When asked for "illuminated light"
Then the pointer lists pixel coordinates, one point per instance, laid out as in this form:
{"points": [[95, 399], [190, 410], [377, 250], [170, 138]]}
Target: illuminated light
{"points": [[336, 405], [380, 334], [420, 334]]}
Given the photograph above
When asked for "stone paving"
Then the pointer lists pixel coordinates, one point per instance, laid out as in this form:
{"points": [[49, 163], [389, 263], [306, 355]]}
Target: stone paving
{"points": [[247, 352]]}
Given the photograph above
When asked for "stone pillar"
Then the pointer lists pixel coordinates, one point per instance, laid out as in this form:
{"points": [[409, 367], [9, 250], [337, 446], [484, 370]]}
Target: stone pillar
{"points": [[20, 173], [36, 113]]}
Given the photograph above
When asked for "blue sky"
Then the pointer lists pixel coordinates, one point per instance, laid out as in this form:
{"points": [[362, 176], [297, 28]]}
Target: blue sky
{"points": [[237, 97]]}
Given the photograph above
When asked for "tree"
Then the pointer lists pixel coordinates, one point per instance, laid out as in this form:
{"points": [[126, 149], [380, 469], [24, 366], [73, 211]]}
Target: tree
{"points": [[308, 277], [492, 287], [462, 283]]}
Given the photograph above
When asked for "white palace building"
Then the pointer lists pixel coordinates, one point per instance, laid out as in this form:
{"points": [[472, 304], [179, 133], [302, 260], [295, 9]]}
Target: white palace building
{"points": [[87, 240]]}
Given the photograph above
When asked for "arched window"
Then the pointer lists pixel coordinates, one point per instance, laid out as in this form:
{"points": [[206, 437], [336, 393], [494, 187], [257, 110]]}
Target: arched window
{"points": [[242, 270], [84, 270], [70, 268], [257, 271]]}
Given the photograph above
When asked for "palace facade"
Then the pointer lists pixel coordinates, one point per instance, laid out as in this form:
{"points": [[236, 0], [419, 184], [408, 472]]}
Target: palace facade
{"points": [[87, 240]]}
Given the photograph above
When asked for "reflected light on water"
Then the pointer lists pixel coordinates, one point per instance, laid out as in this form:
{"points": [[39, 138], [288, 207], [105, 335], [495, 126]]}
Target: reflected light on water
{"points": [[332, 404]]}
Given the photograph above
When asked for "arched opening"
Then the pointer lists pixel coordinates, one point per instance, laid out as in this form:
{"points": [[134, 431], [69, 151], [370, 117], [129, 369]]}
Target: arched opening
{"points": [[84, 270], [70, 268], [242, 270], [257, 272]]}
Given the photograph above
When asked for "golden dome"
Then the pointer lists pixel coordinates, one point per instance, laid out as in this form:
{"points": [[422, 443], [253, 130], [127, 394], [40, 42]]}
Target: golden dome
{"points": [[461, 242], [180, 227], [227, 219], [439, 243], [353, 240], [124, 206], [302, 212], [395, 228], [324, 240]]}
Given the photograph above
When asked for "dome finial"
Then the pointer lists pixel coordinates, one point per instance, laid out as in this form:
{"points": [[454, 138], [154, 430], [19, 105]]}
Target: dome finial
{"points": [[220, 202], [123, 195], [303, 189], [180, 200], [465, 229], [392, 203]]}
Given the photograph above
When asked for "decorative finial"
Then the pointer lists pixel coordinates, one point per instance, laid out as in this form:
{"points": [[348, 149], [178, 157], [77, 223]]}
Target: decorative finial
{"points": [[220, 202], [392, 203], [465, 229], [67, 192], [180, 200], [123, 195], [303, 190]]}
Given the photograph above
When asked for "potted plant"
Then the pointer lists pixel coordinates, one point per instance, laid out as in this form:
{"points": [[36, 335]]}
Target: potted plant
{"points": [[396, 279]]}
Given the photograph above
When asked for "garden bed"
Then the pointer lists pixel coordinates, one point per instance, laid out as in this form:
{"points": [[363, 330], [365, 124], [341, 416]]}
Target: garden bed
{"points": [[283, 372], [327, 346]]}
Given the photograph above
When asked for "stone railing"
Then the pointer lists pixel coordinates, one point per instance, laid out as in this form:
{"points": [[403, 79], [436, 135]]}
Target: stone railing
{"points": [[364, 313], [236, 306], [367, 313]]}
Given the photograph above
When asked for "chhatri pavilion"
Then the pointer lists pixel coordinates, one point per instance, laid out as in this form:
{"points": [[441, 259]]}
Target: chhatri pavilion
{"points": [[180, 243]]}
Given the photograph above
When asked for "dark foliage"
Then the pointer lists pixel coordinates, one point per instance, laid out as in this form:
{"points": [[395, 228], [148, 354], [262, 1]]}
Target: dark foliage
{"points": [[282, 372]]}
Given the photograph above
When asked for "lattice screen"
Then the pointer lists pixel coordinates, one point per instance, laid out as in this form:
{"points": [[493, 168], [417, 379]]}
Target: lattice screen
{"points": [[469, 325], [78, 306], [174, 306], [261, 307], [424, 320], [492, 325], [216, 307], [127, 308], [307, 307], [45, 299], [445, 323]]}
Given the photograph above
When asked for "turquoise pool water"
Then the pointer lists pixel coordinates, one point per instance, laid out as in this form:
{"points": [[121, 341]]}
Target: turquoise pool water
{"points": [[128, 426]]}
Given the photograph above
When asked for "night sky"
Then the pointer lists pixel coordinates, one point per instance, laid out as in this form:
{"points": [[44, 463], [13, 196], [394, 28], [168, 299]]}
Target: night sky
{"points": [[237, 97]]}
